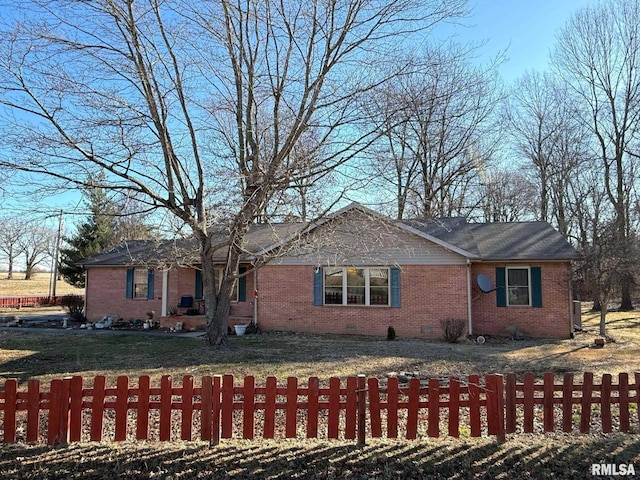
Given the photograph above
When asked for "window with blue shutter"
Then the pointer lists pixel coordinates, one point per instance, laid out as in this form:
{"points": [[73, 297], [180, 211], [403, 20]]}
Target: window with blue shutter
{"points": [[198, 294], [129, 284], [150, 278], [242, 285], [536, 287], [501, 287], [395, 287], [318, 287]]}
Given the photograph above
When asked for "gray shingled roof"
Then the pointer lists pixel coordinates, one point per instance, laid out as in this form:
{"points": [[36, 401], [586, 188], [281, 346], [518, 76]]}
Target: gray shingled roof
{"points": [[521, 241], [514, 241], [504, 241], [185, 251]]}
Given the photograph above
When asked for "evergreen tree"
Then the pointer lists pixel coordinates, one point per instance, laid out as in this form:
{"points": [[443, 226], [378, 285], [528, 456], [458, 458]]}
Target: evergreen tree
{"points": [[98, 233]]}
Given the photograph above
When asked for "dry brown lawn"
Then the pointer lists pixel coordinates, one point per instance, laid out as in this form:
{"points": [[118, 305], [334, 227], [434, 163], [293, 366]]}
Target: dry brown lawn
{"points": [[28, 353], [37, 285]]}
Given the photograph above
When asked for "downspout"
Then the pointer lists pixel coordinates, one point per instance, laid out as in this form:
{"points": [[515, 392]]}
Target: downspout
{"points": [[469, 297], [254, 294]]}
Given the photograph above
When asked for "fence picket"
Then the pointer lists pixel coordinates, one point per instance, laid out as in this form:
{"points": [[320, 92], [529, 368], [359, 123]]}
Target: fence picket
{"points": [[528, 399], [166, 397], [351, 408], [33, 410], [187, 407], [454, 407], [605, 403], [142, 417], [206, 407], [375, 417], [334, 408], [291, 423], [567, 402], [97, 408], [585, 414], [10, 404], [271, 392], [548, 402], [55, 401], [313, 392], [362, 408], [623, 399], [215, 414], [511, 404], [474, 405], [75, 409], [226, 406], [122, 408], [413, 408], [637, 396], [433, 428], [248, 399]]}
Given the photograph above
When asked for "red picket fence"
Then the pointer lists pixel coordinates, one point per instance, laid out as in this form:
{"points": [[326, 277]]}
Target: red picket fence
{"points": [[558, 403], [29, 301], [219, 408]]}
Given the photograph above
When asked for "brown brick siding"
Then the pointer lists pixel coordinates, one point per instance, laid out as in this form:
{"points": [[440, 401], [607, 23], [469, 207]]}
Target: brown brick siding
{"points": [[427, 295], [550, 321], [106, 294]]}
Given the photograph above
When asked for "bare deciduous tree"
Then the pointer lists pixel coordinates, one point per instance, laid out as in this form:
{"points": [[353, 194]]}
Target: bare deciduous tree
{"points": [[506, 196], [10, 234], [542, 123], [37, 243], [433, 121], [189, 104], [598, 55]]}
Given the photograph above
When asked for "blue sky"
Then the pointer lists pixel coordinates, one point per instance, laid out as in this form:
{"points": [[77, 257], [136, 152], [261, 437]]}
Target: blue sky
{"points": [[525, 28]]}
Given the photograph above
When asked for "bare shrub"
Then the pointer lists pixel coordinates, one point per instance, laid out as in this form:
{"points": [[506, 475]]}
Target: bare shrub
{"points": [[74, 306], [452, 329]]}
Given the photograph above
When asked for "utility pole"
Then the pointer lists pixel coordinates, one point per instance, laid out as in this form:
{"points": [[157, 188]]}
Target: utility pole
{"points": [[56, 256]]}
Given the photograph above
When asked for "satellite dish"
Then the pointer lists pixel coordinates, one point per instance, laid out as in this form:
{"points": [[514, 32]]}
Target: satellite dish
{"points": [[484, 283]]}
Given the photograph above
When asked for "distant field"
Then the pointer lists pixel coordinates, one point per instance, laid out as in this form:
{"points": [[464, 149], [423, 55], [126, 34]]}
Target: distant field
{"points": [[38, 285]]}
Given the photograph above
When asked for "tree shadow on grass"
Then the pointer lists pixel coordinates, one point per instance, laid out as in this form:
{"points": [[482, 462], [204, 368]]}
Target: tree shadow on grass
{"points": [[541, 457]]}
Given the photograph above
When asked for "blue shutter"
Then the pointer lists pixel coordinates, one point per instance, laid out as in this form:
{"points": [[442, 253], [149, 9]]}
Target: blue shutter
{"points": [[150, 277], [242, 285], [318, 287], [198, 293], [395, 287], [536, 287], [501, 287], [129, 285]]}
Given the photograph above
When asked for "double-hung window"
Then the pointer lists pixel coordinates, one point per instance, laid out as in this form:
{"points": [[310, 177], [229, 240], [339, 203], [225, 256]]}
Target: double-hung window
{"points": [[139, 283], [356, 286], [518, 286]]}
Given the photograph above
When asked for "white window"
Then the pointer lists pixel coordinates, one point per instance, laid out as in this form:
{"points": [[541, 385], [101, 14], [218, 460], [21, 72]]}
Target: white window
{"points": [[356, 286], [140, 282], [518, 286]]}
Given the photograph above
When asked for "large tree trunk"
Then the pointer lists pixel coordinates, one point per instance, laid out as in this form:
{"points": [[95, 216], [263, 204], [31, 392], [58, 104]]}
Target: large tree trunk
{"points": [[626, 305], [603, 322]]}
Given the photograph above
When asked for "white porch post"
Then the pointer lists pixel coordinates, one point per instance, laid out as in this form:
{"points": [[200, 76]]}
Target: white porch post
{"points": [[165, 292]]}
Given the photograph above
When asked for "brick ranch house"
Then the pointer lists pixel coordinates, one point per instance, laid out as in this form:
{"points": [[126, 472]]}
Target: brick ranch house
{"points": [[357, 272]]}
